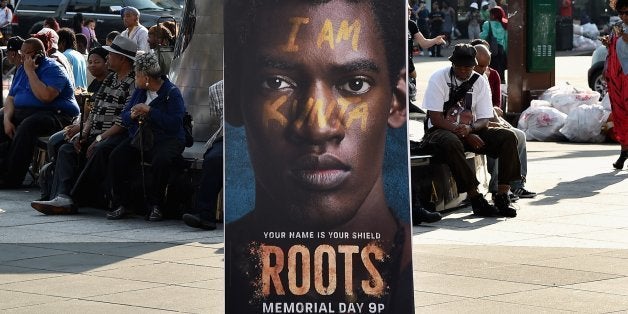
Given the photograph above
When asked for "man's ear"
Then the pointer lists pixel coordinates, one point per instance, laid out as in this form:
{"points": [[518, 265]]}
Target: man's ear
{"points": [[398, 111]]}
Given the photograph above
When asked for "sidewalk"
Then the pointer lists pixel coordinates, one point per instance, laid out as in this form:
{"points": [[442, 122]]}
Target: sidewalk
{"points": [[567, 251]]}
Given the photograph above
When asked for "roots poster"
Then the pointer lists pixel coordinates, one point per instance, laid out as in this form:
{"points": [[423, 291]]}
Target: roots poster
{"points": [[317, 205]]}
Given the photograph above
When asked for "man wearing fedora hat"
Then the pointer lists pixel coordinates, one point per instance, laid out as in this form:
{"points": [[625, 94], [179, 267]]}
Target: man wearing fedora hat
{"points": [[458, 103], [101, 134]]}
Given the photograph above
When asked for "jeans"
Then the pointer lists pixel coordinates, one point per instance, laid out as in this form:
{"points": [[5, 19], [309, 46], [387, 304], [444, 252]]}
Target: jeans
{"points": [[492, 163]]}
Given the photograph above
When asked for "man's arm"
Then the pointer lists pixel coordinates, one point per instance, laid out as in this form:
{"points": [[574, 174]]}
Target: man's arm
{"points": [[8, 109], [43, 92], [427, 43]]}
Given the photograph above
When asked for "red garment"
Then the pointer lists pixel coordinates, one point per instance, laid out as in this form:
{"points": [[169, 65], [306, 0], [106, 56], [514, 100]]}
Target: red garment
{"points": [[617, 92], [496, 87], [565, 8]]}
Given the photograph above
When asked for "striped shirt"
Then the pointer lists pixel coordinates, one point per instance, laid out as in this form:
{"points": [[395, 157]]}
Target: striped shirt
{"points": [[110, 100]]}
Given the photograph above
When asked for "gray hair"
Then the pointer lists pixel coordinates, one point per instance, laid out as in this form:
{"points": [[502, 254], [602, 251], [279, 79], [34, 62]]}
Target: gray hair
{"points": [[147, 63]]}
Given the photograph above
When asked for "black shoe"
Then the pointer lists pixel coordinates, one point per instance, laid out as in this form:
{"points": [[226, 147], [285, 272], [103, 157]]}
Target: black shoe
{"points": [[482, 208], [195, 221], [119, 213], [619, 164], [155, 214], [423, 215], [502, 202]]}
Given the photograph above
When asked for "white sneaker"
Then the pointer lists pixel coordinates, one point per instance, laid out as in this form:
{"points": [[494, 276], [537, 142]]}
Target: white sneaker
{"points": [[62, 204]]}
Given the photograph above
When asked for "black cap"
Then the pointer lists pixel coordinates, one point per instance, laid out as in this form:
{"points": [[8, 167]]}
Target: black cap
{"points": [[15, 43], [463, 55]]}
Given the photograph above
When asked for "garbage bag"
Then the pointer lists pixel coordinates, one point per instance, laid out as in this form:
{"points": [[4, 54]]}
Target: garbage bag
{"points": [[584, 124], [542, 123]]}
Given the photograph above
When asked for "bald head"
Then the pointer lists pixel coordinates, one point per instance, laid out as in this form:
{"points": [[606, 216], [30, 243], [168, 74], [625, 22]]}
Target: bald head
{"points": [[483, 56]]}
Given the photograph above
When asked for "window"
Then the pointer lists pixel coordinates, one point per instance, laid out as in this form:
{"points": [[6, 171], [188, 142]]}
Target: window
{"points": [[81, 6], [38, 5]]}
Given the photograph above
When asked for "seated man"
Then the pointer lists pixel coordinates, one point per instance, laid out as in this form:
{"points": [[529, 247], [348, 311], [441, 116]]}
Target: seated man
{"points": [[204, 214], [100, 135], [40, 102], [483, 58], [459, 108]]}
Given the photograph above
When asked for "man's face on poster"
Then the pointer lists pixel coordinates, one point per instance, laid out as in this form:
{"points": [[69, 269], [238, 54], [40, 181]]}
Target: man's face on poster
{"points": [[317, 99]]}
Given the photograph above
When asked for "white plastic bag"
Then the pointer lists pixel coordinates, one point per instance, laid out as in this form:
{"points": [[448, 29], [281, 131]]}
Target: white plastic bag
{"points": [[606, 102], [590, 30], [584, 124], [541, 123], [561, 88], [567, 102]]}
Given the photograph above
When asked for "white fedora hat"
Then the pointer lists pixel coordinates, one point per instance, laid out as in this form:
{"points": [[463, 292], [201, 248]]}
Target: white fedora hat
{"points": [[123, 46]]}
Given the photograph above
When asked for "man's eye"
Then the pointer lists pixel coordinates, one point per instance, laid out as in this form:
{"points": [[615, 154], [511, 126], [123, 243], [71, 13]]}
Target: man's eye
{"points": [[277, 83], [356, 86]]}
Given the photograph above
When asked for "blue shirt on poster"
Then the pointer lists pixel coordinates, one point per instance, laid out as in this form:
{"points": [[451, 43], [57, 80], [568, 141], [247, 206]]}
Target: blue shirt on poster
{"points": [[51, 74]]}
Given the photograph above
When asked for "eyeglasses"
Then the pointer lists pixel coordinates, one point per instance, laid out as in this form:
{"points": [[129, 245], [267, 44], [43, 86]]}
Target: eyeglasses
{"points": [[620, 13]]}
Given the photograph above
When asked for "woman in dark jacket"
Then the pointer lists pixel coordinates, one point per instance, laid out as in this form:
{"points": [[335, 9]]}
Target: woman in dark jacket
{"points": [[158, 104]]}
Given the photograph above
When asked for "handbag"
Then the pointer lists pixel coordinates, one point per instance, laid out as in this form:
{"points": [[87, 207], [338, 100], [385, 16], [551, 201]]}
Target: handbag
{"points": [[143, 139]]}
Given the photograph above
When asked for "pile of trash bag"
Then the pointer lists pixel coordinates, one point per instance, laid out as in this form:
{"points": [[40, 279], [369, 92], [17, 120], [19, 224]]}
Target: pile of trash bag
{"points": [[565, 112], [585, 37]]}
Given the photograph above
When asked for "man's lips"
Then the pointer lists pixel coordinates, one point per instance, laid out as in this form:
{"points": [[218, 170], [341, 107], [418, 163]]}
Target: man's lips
{"points": [[319, 172]]}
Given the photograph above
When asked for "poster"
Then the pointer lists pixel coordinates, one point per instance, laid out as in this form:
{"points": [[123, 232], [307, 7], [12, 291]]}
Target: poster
{"points": [[317, 206]]}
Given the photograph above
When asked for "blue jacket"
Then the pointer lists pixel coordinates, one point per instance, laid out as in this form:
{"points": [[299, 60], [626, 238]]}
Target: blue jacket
{"points": [[165, 116]]}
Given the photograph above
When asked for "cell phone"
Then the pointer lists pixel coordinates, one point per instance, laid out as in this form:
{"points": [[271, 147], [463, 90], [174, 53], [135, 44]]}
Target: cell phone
{"points": [[38, 58]]}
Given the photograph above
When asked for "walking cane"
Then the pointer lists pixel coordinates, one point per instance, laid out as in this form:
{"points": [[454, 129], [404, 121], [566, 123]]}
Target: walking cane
{"points": [[140, 128]]}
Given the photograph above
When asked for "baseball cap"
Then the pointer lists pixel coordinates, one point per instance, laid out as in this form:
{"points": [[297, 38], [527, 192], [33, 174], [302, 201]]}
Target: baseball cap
{"points": [[15, 43]]}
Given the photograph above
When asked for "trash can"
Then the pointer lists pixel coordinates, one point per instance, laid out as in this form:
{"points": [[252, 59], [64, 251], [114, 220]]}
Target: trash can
{"points": [[564, 33]]}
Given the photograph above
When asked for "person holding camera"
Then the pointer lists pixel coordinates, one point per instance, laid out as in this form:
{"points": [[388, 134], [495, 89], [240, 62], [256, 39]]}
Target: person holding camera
{"points": [[40, 102]]}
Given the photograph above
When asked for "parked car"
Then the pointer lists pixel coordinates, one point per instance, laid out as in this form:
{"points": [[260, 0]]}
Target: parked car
{"points": [[30, 14], [597, 82]]}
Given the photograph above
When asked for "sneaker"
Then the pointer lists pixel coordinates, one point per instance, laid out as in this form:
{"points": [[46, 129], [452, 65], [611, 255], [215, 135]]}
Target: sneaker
{"points": [[482, 208], [421, 53], [60, 205], [523, 193], [155, 214], [502, 202]]}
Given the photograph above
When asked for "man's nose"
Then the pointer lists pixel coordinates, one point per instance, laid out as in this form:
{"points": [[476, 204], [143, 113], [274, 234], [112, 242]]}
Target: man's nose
{"points": [[318, 116]]}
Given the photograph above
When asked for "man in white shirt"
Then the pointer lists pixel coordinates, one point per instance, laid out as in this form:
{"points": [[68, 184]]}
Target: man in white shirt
{"points": [[134, 30], [458, 104], [6, 15]]}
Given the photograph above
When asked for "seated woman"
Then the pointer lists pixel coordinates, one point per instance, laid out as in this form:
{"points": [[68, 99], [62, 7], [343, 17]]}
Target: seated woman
{"points": [[157, 104]]}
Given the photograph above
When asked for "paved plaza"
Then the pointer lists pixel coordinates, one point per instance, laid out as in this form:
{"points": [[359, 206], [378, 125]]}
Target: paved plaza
{"points": [[567, 251]]}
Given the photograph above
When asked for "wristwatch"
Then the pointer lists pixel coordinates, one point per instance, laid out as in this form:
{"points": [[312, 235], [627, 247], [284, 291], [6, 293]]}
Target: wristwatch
{"points": [[98, 138]]}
